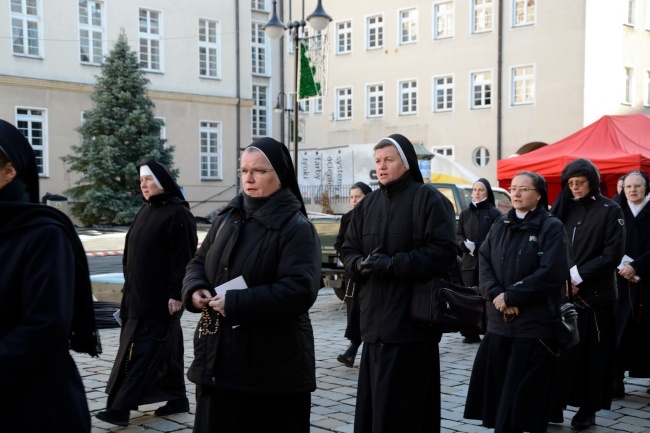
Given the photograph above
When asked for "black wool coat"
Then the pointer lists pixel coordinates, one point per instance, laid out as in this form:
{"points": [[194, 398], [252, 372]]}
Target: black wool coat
{"points": [[474, 224], [266, 342], [158, 247]]}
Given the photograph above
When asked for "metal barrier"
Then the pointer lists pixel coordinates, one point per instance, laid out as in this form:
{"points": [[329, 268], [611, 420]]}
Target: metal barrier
{"points": [[311, 194]]}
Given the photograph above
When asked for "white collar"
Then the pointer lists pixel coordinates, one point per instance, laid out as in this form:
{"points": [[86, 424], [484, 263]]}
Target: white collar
{"points": [[636, 209]]}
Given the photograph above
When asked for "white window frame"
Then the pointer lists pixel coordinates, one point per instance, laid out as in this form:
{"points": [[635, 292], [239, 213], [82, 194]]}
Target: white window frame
{"points": [[376, 96], [411, 93], [305, 106], [473, 75], [209, 47], [318, 105], [260, 51], [480, 10], [259, 5], [630, 16], [94, 33], [446, 88], [346, 99], [630, 88], [211, 127], [481, 153], [646, 95], [378, 28], [44, 147], [260, 125], [26, 19], [411, 23], [525, 6], [448, 17], [444, 150], [343, 30], [150, 38], [525, 82]]}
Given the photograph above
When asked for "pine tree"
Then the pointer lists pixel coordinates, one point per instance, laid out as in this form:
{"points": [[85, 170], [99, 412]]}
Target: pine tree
{"points": [[118, 132]]}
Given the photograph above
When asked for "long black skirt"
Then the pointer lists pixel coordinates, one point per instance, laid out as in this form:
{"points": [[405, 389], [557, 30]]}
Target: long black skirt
{"points": [[149, 365], [399, 389], [232, 412], [512, 384], [353, 328], [587, 369]]}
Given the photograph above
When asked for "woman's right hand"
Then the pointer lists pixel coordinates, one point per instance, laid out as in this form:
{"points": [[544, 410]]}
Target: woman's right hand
{"points": [[201, 298]]}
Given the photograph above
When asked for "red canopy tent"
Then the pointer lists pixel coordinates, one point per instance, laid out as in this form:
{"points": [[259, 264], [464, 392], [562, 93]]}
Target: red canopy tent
{"points": [[615, 144]]}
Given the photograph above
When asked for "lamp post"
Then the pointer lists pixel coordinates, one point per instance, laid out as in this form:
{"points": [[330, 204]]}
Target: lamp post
{"points": [[274, 29], [281, 107]]}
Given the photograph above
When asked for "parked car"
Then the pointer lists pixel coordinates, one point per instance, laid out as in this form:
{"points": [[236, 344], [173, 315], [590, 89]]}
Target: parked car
{"points": [[460, 196]]}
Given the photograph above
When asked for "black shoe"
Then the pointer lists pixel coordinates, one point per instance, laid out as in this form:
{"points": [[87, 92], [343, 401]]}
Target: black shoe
{"points": [[113, 416], [350, 354], [471, 339], [173, 406], [618, 390], [583, 420], [557, 417]]}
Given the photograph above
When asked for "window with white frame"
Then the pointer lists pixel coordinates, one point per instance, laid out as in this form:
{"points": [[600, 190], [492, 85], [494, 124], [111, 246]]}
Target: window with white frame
{"points": [[629, 86], [91, 32], [25, 23], [443, 20], [480, 156], [344, 103], [260, 111], [443, 93], [210, 150], [344, 37], [374, 32], [523, 85], [482, 15], [209, 61], [305, 106], [150, 36], [443, 150], [523, 12], [32, 122], [481, 89], [375, 100], [408, 97], [646, 95], [258, 5], [259, 49], [408, 26], [631, 12], [318, 105]]}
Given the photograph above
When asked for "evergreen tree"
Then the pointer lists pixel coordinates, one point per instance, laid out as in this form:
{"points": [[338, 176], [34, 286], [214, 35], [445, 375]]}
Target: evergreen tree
{"points": [[117, 133]]}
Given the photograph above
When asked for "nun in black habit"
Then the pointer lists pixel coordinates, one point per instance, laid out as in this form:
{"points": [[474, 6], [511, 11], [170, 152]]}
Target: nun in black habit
{"points": [[161, 241], [254, 362], [47, 302], [400, 234]]}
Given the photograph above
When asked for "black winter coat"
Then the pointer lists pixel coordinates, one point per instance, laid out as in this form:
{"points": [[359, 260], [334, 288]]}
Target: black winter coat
{"points": [[277, 251], [384, 220], [526, 259], [474, 224], [158, 246]]}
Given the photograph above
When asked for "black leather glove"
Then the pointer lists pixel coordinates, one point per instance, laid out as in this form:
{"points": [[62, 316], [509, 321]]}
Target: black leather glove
{"points": [[377, 264]]}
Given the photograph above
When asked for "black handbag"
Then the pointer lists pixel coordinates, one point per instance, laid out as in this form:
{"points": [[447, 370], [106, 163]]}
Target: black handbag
{"points": [[446, 307], [565, 324]]}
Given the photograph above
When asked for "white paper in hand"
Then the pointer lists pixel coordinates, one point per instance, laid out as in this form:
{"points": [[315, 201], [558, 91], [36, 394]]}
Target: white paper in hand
{"points": [[626, 260], [471, 246], [118, 319], [234, 284]]}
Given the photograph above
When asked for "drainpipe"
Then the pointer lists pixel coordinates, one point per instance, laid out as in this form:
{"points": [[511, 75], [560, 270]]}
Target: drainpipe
{"points": [[499, 81], [238, 67]]}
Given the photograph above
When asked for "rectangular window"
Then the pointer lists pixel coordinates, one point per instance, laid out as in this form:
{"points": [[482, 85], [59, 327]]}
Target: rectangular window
{"points": [[631, 12], [210, 152], [408, 97], [629, 86], [443, 150], [375, 32], [318, 105], [32, 123], [443, 20], [344, 103], [375, 100], [408, 26], [25, 19], [209, 63], [523, 12], [344, 37], [258, 5], [260, 111], [482, 16], [150, 36], [306, 106], [443, 93], [91, 32], [523, 85], [481, 89], [258, 49]]}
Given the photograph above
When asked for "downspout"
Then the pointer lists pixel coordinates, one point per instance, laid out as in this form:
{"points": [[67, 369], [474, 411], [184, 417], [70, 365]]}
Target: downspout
{"points": [[282, 76], [499, 81], [238, 67]]}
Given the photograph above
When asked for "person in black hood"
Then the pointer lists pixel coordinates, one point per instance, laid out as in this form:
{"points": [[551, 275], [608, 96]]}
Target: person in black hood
{"points": [[254, 362], [473, 225], [400, 234], [595, 227], [161, 241], [47, 299]]}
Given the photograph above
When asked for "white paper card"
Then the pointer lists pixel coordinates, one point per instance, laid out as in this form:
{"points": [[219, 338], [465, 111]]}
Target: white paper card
{"points": [[626, 260], [118, 319], [234, 284]]}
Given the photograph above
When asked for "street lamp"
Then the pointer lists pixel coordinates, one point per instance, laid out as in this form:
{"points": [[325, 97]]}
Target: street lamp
{"points": [[319, 20]]}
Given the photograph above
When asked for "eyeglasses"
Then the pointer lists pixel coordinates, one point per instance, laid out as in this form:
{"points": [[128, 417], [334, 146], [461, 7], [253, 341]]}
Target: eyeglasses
{"points": [[256, 172], [577, 183], [514, 189]]}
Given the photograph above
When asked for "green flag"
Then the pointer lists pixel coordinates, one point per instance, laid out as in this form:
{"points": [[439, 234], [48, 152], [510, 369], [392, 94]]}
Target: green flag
{"points": [[308, 87]]}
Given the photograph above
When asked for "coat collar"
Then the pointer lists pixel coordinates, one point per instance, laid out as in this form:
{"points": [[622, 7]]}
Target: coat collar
{"points": [[273, 213]]}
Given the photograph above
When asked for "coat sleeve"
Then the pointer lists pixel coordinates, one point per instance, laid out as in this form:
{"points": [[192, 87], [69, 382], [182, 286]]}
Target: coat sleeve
{"points": [[47, 299], [461, 237], [489, 285], [296, 284], [552, 272], [182, 242], [195, 277], [352, 248], [340, 238]]}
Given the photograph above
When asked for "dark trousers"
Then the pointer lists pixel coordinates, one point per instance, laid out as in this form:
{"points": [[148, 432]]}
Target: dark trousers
{"points": [[353, 329]]}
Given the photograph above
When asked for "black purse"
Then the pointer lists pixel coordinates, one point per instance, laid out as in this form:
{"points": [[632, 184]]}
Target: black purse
{"points": [[446, 307], [565, 324]]}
